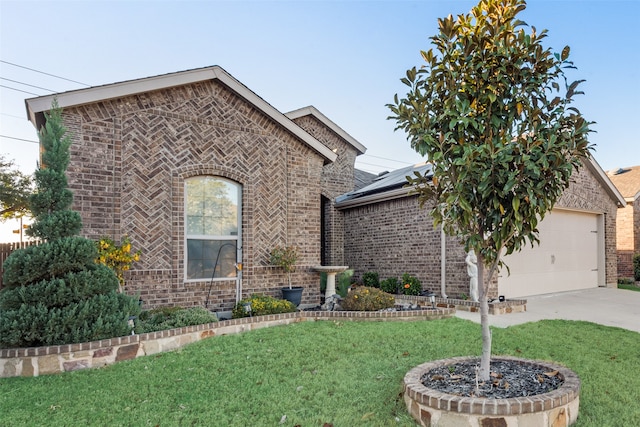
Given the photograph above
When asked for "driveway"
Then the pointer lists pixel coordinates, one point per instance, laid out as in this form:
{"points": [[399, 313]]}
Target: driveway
{"points": [[606, 306]]}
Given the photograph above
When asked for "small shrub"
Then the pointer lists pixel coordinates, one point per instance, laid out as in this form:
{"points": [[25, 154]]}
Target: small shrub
{"points": [[286, 258], [117, 257], [262, 305], [636, 267], [390, 285], [410, 285], [366, 298], [163, 318], [371, 278], [625, 281]]}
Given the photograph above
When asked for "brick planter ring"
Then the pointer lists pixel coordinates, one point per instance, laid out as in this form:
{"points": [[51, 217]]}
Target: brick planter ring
{"points": [[430, 407]]}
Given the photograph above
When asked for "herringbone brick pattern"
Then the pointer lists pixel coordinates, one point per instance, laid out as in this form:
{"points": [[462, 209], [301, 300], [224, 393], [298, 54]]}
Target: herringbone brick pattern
{"points": [[130, 158]]}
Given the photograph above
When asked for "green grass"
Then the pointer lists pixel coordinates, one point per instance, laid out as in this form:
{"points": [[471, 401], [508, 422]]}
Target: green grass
{"points": [[628, 287], [343, 373]]}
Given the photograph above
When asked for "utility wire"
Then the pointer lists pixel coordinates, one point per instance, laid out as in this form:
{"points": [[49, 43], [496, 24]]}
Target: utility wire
{"points": [[19, 139], [19, 90], [11, 115], [371, 164], [384, 158], [26, 84], [42, 72]]}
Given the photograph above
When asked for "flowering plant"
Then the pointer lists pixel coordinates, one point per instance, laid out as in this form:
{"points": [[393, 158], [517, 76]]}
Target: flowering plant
{"points": [[365, 298], [411, 285], [286, 258], [261, 305], [117, 257]]}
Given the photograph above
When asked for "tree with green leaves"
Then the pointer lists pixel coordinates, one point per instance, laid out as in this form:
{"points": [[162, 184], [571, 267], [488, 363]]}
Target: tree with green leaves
{"points": [[15, 188], [55, 292], [491, 110]]}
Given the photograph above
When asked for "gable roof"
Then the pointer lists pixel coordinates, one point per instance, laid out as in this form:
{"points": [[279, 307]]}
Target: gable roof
{"points": [[627, 180], [313, 111], [37, 106]]}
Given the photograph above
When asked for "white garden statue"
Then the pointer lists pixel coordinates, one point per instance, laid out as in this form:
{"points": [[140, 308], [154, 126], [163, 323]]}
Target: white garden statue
{"points": [[472, 271]]}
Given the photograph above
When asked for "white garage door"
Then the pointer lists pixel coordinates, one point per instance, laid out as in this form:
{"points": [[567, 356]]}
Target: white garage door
{"points": [[566, 259]]}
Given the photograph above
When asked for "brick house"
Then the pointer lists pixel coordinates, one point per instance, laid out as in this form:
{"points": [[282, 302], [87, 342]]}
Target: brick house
{"points": [[204, 177], [387, 232], [627, 180]]}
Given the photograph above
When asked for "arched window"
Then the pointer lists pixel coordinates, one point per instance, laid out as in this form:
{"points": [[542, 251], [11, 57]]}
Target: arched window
{"points": [[213, 208]]}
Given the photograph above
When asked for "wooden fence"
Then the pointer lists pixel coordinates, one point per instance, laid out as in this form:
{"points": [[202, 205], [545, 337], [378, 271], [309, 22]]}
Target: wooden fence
{"points": [[7, 248]]}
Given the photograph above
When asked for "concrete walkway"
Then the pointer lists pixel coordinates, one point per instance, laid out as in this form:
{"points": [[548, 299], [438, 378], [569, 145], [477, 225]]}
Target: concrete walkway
{"points": [[606, 306]]}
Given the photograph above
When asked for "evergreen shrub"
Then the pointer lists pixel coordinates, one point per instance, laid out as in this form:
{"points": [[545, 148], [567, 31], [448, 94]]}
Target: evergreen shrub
{"points": [[636, 267], [99, 317], [163, 318], [55, 293], [371, 278], [390, 285], [48, 260], [71, 287]]}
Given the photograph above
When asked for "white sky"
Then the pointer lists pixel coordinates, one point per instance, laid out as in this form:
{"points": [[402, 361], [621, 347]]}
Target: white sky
{"points": [[343, 57]]}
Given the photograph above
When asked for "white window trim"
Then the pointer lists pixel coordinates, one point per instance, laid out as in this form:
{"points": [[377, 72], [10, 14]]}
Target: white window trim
{"points": [[237, 237]]}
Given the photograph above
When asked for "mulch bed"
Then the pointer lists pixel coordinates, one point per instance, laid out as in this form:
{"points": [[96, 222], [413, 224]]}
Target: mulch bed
{"points": [[508, 379]]}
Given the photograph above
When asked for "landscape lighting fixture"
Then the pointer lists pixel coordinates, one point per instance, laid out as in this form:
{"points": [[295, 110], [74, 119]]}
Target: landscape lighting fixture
{"points": [[247, 308]]}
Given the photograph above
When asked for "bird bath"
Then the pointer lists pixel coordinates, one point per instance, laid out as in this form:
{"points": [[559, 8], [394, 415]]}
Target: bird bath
{"points": [[331, 271]]}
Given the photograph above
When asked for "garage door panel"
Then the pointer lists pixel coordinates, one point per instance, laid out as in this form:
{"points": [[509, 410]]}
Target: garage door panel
{"points": [[566, 259]]}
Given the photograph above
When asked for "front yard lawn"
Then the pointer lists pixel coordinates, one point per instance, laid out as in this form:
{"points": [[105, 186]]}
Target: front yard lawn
{"points": [[311, 373]]}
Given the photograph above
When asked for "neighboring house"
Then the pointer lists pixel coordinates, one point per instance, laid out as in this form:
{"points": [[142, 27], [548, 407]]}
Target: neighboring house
{"points": [[205, 178], [388, 233], [627, 180]]}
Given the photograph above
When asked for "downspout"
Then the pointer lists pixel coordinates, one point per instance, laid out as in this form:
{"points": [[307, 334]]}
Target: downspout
{"points": [[443, 263]]}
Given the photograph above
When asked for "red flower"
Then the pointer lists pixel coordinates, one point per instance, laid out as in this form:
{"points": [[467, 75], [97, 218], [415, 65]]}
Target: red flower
{"points": [[407, 286]]}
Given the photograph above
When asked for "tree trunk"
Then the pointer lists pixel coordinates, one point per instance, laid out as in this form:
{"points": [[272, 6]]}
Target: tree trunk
{"points": [[485, 361]]}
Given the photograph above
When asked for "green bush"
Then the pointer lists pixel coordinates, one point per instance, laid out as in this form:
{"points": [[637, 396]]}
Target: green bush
{"points": [[371, 279], [262, 305], [70, 287], [99, 317], [410, 285], [48, 260], [163, 318], [636, 267], [390, 285], [366, 298]]}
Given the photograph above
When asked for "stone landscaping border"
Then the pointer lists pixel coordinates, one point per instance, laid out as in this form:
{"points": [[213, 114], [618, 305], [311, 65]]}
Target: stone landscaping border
{"points": [[496, 307], [429, 407], [34, 361]]}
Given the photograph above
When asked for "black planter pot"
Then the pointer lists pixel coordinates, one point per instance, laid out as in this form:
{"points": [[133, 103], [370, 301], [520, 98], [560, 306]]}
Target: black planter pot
{"points": [[294, 294]]}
